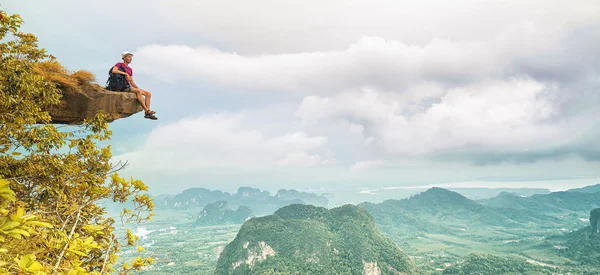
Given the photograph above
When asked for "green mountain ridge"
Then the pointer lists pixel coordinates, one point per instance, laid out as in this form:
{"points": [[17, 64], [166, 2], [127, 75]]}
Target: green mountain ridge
{"points": [[586, 189], [555, 202], [442, 211], [304, 239]]}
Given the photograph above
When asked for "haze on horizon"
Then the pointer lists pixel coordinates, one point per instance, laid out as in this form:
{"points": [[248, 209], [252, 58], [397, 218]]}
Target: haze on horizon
{"points": [[306, 94]]}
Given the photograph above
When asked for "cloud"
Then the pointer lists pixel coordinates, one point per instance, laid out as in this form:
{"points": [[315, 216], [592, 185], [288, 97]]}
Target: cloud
{"points": [[223, 140], [380, 63], [528, 84], [366, 164], [494, 114], [268, 26], [371, 61], [304, 159]]}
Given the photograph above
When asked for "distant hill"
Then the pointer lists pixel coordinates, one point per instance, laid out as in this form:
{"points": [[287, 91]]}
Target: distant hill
{"points": [[586, 189], [480, 263], [198, 197], [486, 193], [443, 211], [555, 202], [304, 239], [308, 198], [356, 195], [219, 213], [260, 202]]}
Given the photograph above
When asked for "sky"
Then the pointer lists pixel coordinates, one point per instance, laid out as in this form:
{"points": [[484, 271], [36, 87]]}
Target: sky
{"points": [[343, 94]]}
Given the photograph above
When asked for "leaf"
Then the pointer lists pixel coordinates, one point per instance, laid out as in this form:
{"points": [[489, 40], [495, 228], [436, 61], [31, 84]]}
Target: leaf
{"points": [[38, 223], [9, 225], [14, 235], [18, 215], [20, 231], [77, 252], [25, 261], [5, 190], [34, 267]]}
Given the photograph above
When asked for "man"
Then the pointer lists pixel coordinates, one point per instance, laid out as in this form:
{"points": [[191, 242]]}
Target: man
{"points": [[132, 86]]}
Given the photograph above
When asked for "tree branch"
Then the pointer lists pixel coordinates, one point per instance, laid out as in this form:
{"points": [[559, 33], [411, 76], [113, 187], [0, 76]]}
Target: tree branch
{"points": [[62, 253]]}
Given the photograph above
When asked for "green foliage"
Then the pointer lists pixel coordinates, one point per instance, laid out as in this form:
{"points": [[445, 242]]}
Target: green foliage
{"points": [[582, 246], [303, 239], [306, 212], [479, 263], [52, 179]]}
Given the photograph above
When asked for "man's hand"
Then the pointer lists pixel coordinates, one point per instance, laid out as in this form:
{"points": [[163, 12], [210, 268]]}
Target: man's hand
{"points": [[128, 77]]}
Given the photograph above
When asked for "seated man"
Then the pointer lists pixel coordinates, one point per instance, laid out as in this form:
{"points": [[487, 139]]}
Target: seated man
{"points": [[131, 86]]}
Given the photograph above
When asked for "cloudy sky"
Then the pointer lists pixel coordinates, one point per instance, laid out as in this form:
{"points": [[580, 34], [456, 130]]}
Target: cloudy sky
{"points": [[308, 94]]}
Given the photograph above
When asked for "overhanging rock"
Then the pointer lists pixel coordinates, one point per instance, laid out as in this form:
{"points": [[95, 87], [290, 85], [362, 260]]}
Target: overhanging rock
{"points": [[86, 102]]}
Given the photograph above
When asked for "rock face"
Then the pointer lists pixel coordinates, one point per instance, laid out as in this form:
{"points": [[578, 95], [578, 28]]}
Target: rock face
{"points": [[594, 218], [77, 105]]}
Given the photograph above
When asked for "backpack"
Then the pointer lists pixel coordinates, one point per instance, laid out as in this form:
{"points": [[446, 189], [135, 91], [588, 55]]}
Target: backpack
{"points": [[116, 82]]}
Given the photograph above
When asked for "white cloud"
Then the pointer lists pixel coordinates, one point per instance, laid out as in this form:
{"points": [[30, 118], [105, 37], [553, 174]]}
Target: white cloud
{"points": [[267, 26], [371, 61], [224, 141], [304, 159], [366, 164], [493, 114]]}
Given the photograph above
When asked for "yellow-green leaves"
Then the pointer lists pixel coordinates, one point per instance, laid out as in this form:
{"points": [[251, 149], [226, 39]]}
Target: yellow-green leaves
{"points": [[29, 264], [18, 225], [131, 238], [5, 191], [82, 246]]}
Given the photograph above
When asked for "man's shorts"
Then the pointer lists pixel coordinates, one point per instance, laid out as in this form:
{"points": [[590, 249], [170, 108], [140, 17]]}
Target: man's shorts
{"points": [[126, 89]]}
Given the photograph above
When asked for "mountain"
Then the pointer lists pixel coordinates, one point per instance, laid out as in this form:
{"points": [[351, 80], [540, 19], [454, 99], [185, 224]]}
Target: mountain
{"points": [[304, 239], [195, 197], [555, 202], [586, 189], [355, 195], [486, 193], [259, 202], [510, 200], [480, 263], [219, 213], [439, 210], [251, 193], [308, 198]]}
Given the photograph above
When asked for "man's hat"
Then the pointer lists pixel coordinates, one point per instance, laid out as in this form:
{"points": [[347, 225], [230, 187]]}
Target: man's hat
{"points": [[125, 53]]}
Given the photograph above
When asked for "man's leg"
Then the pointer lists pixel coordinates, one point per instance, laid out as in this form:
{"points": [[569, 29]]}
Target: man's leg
{"points": [[140, 98], [148, 95]]}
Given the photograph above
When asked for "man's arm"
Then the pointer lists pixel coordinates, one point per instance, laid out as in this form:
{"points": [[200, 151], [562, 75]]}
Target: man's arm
{"points": [[115, 70], [132, 82]]}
